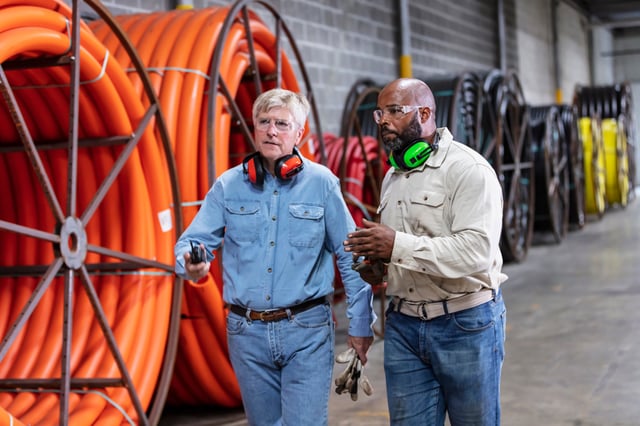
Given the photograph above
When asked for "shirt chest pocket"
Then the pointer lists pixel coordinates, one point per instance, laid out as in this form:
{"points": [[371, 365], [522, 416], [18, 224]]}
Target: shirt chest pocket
{"points": [[426, 213], [242, 221], [306, 225]]}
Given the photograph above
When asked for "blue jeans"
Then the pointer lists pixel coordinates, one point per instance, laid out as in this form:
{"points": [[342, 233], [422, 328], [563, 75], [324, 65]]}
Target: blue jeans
{"points": [[284, 368], [450, 364]]}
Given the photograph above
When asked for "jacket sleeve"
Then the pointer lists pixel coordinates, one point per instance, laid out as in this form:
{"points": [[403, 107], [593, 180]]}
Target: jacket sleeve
{"points": [[207, 227], [359, 294]]}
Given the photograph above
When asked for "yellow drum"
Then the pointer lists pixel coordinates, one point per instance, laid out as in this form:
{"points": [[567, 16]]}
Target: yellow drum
{"points": [[594, 166], [616, 161]]}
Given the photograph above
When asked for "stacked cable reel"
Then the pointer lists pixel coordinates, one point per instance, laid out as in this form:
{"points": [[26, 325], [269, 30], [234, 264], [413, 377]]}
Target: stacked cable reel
{"points": [[552, 167], [89, 304], [208, 66], [487, 111], [115, 147], [609, 149], [513, 158], [573, 140], [459, 107], [362, 162]]}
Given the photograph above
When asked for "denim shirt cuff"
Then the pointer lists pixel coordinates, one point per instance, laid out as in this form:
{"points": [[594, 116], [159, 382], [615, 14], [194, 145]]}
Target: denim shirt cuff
{"points": [[361, 327]]}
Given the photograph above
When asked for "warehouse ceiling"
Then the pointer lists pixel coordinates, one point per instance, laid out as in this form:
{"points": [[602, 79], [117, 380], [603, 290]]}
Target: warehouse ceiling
{"points": [[612, 13]]}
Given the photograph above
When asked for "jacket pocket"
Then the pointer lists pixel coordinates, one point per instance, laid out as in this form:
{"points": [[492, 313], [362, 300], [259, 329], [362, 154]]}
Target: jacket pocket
{"points": [[426, 213], [242, 221], [306, 225]]}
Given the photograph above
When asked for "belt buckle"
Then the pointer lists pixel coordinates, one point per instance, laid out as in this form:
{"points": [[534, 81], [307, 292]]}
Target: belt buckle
{"points": [[268, 315], [422, 311]]}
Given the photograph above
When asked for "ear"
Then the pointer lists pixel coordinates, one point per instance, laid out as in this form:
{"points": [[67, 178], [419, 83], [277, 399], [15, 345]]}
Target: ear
{"points": [[425, 114]]}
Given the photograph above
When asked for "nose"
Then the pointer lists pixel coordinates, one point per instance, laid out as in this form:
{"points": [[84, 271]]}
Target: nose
{"points": [[272, 130]]}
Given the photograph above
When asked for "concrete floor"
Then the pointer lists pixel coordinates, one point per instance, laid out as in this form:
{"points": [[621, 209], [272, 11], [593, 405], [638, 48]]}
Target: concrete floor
{"points": [[573, 337]]}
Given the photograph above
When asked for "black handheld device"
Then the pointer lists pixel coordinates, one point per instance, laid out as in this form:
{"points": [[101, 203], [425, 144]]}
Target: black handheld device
{"points": [[197, 253]]}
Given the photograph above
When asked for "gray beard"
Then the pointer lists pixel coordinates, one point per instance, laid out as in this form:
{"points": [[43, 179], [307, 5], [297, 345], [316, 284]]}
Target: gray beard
{"points": [[404, 139]]}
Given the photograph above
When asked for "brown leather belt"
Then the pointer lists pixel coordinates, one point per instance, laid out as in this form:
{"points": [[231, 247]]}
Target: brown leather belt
{"points": [[276, 314], [431, 310]]}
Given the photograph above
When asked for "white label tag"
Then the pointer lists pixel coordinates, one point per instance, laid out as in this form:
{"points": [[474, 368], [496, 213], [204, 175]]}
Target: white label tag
{"points": [[166, 224]]}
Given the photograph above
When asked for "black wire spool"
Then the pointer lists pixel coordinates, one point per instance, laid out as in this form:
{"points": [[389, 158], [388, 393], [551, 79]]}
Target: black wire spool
{"points": [[357, 113], [357, 121], [504, 139], [552, 167], [458, 105], [568, 116]]}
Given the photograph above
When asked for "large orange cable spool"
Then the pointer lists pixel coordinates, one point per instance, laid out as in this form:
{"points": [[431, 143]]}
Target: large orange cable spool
{"points": [[89, 302], [208, 66]]}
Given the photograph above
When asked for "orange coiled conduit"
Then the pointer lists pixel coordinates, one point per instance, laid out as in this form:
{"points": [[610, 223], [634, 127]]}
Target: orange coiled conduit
{"points": [[137, 305], [177, 48]]}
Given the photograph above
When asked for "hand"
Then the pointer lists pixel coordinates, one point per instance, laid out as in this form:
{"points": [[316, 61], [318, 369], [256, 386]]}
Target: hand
{"points": [[195, 271], [361, 346], [374, 241], [353, 375], [372, 271]]}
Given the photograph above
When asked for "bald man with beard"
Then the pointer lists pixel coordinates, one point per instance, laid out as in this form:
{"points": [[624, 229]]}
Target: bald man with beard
{"points": [[437, 248]]}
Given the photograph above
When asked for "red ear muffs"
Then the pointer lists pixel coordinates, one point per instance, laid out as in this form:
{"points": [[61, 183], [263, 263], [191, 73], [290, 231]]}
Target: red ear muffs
{"points": [[252, 166], [286, 167]]}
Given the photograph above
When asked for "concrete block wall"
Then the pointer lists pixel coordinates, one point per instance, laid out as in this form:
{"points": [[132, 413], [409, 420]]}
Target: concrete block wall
{"points": [[536, 62], [343, 41], [626, 56], [535, 59], [573, 45]]}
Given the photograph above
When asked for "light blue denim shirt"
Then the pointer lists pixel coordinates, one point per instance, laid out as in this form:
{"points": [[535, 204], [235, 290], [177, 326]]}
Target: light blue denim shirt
{"points": [[277, 241]]}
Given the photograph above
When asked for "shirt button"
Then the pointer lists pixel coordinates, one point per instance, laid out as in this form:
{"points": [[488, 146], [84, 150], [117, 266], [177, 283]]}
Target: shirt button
{"points": [[399, 202], [268, 297], [275, 192], [273, 218], [269, 270], [273, 243], [411, 290]]}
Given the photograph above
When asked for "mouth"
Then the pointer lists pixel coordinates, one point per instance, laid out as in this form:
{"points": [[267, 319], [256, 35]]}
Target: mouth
{"points": [[388, 134], [386, 131]]}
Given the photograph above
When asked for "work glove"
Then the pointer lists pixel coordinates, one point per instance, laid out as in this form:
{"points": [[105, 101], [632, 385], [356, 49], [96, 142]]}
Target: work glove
{"points": [[352, 376], [371, 271]]}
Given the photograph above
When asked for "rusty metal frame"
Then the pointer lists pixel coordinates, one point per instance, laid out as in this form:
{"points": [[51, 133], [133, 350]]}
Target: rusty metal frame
{"points": [[70, 262], [515, 168]]}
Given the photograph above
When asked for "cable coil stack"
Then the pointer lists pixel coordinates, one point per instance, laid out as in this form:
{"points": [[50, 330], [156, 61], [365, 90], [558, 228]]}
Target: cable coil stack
{"points": [[162, 107], [487, 111], [609, 147], [88, 297], [573, 140], [552, 166]]}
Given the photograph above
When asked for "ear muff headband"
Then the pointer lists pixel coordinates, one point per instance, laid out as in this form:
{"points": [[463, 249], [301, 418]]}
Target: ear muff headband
{"points": [[414, 155], [286, 167]]}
